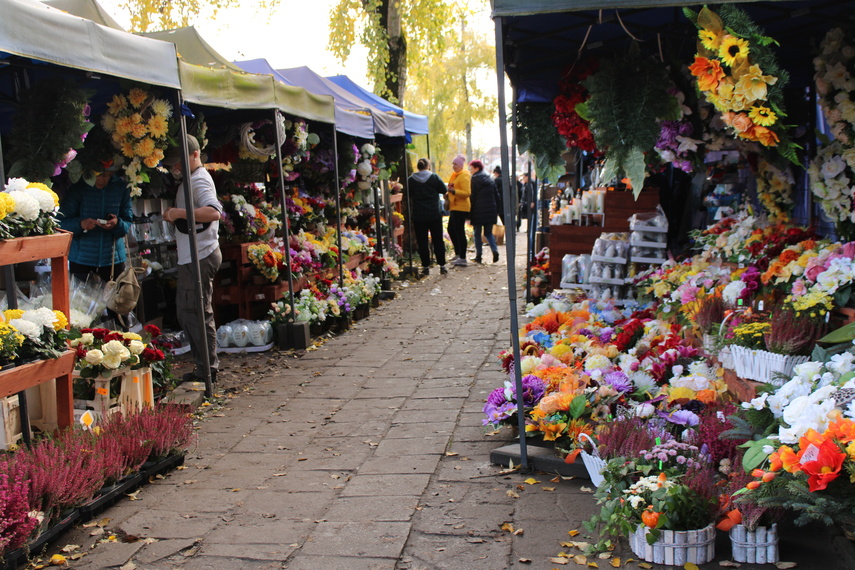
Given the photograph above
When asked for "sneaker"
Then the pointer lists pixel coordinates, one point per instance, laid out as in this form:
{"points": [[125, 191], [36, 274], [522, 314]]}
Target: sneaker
{"points": [[476, 260], [442, 270], [495, 257], [460, 263], [453, 259], [192, 377], [425, 271]]}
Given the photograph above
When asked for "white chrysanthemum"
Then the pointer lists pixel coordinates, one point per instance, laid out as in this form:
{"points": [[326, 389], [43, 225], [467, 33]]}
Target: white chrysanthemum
{"points": [[26, 206], [529, 363], [27, 328], [732, 291], [16, 185], [136, 347], [162, 107], [364, 169], [45, 200], [41, 316], [94, 357], [368, 149], [808, 370], [112, 361], [642, 381], [695, 382], [597, 362], [79, 319], [116, 348]]}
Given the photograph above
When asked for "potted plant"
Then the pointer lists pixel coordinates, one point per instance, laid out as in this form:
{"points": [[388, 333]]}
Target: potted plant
{"points": [[280, 316]]}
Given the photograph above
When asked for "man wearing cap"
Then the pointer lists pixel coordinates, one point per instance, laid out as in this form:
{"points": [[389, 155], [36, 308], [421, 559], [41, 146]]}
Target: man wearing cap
{"points": [[459, 189], [207, 210], [99, 217]]}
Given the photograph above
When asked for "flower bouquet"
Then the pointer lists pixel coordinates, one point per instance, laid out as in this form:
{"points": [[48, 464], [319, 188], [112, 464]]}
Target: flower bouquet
{"points": [[501, 406], [27, 209], [32, 334], [104, 353], [266, 260]]}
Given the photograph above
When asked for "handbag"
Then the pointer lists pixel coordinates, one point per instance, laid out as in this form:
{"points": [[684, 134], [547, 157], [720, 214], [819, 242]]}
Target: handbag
{"points": [[124, 290]]}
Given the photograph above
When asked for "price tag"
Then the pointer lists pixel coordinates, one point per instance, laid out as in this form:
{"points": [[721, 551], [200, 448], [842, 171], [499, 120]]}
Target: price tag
{"points": [[810, 454]]}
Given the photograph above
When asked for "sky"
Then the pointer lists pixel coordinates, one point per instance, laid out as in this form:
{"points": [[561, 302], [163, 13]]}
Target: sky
{"points": [[297, 33]]}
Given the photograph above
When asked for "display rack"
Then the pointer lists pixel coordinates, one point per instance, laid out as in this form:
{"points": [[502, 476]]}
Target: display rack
{"points": [[14, 380]]}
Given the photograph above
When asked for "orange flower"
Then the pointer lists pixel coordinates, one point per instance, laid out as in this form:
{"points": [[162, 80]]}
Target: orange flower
{"points": [[785, 458], [708, 72], [842, 430], [731, 519], [764, 136], [706, 396], [826, 467]]}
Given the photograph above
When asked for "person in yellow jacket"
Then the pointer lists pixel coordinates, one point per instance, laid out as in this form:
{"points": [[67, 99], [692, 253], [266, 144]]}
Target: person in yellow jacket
{"points": [[459, 190]]}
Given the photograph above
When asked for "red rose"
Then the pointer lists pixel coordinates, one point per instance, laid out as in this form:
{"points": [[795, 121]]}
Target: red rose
{"points": [[153, 330]]}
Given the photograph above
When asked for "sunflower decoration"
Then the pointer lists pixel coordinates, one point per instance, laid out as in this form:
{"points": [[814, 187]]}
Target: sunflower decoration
{"points": [[738, 74], [139, 126]]}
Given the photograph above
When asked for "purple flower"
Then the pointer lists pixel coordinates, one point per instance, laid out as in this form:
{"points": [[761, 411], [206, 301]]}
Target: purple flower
{"points": [[680, 417], [533, 390], [496, 398], [618, 380], [495, 414]]}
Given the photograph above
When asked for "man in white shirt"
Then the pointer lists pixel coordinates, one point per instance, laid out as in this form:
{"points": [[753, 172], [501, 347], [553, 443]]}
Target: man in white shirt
{"points": [[207, 211]]}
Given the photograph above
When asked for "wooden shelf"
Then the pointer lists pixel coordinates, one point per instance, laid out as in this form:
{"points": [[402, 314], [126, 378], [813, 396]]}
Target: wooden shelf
{"points": [[19, 378], [355, 261], [22, 250], [395, 198]]}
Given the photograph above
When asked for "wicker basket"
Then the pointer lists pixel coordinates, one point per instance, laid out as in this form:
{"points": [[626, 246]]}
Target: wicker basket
{"points": [[593, 462], [764, 366]]}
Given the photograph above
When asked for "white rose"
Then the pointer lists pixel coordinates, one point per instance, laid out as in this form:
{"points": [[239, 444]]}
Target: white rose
{"points": [[644, 410], [87, 338], [26, 207], [94, 357], [364, 169], [136, 347], [112, 361], [368, 149], [116, 348], [808, 370], [795, 411]]}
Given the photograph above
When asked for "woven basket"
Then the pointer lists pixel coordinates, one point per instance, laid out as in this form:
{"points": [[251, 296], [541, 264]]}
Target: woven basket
{"points": [[675, 547]]}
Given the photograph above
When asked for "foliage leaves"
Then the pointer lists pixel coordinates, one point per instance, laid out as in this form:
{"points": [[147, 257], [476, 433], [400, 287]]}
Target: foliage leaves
{"points": [[627, 96], [537, 134], [153, 15]]}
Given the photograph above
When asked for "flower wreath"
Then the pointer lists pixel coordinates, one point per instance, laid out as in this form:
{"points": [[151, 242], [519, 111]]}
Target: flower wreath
{"points": [[139, 125], [266, 260], [253, 149], [732, 57]]}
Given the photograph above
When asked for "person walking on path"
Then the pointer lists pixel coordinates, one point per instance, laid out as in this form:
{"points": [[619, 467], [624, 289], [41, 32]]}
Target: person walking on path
{"points": [[99, 217], [484, 209], [500, 201], [425, 190], [459, 189], [527, 196], [207, 211]]}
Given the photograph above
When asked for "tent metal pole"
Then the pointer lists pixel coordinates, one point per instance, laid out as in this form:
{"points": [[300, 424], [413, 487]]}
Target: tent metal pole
{"points": [[528, 236], [510, 245], [338, 225], [285, 223], [409, 206], [189, 206]]}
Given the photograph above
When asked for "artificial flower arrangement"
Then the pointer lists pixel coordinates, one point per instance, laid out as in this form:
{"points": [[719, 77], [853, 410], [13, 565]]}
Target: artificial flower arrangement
{"points": [[832, 181], [575, 130], [308, 308], [50, 125], [731, 63], [280, 313], [383, 267], [266, 260], [677, 144], [354, 242], [295, 148], [105, 353], [775, 188], [247, 215], [27, 209], [32, 334], [139, 124], [304, 211], [834, 84], [540, 274]]}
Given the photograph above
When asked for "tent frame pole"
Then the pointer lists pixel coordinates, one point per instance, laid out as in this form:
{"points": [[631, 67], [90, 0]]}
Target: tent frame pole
{"points": [[510, 245]]}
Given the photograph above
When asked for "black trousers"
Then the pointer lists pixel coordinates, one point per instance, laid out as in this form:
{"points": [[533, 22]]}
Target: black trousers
{"points": [[435, 229]]}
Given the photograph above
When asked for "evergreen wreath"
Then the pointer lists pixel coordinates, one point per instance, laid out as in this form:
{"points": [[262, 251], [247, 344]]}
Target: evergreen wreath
{"points": [[49, 123], [628, 97], [537, 134]]}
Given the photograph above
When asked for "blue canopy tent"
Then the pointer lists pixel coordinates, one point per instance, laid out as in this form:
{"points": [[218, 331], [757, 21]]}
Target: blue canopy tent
{"points": [[347, 121], [385, 123], [414, 124]]}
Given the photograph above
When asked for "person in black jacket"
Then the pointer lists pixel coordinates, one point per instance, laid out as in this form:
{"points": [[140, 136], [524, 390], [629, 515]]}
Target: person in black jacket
{"points": [[500, 204], [426, 188], [483, 211]]}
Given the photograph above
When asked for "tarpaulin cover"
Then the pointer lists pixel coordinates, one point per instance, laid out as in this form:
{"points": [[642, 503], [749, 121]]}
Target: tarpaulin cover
{"points": [[193, 48], [386, 124], [36, 31], [413, 123], [347, 121]]}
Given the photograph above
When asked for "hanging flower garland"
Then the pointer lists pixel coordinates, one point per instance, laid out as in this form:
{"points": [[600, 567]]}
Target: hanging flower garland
{"points": [[834, 84], [570, 125], [731, 68], [139, 124], [832, 181]]}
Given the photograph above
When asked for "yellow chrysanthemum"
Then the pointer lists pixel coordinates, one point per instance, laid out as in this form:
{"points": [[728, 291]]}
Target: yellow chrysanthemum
{"points": [[710, 39], [124, 126], [139, 130], [144, 147], [118, 104], [7, 205], [127, 149], [161, 108], [158, 126], [733, 50], [763, 116], [137, 97], [11, 314], [61, 320]]}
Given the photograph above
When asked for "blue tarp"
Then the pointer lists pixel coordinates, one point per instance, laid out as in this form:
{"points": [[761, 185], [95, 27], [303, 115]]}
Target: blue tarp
{"points": [[347, 121], [386, 124], [414, 124]]}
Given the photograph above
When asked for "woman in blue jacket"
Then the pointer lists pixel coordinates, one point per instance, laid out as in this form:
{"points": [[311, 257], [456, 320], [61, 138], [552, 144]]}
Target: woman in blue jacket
{"points": [[99, 216]]}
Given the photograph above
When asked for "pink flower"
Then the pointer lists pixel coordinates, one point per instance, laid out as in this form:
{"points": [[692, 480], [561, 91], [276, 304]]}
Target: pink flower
{"points": [[813, 272], [799, 288], [848, 250]]}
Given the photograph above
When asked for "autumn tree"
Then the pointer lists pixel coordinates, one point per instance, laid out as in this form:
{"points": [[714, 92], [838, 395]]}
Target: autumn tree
{"points": [[397, 33], [155, 15]]}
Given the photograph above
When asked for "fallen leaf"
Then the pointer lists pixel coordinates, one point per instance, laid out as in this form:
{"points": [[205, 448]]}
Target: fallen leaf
{"points": [[785, 565], [58, 560], [451, 454], [104, 522], [181, 468], [78, 555], [518, 532], [531, 481], [548, 488], [573, 532], [592, 565], [97, 531], [70, 548], [508, 527], [134, 496], [512, 493], [645, 565], [525, 560], [729, 564], [604, 555], [558, 560], [128, 566], [586, 489], [556, 479], [690, 566], [279, 474], [580, 559], [615, 562]]}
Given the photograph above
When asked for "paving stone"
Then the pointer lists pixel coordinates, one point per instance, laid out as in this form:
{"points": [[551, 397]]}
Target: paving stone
{"points": [[164, 548], [377, 539], [385, 485], [412, 446], [303, 562], [372, 508], [273, 506], [400, 465], [167, 524]]}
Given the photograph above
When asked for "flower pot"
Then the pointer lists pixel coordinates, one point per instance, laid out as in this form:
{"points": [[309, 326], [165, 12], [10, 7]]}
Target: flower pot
{"points": [[759, 546], [375, 301], [315, 329], [281, 333], [764, 366], [593, 462], [675, 547]]}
